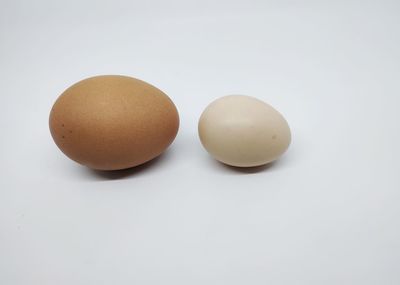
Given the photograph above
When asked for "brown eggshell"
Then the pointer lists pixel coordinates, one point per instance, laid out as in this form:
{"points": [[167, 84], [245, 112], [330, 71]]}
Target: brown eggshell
{"points": [[113, 122]]}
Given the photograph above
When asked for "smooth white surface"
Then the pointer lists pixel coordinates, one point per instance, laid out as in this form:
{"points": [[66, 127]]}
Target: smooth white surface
{"points": [[326, 213]]}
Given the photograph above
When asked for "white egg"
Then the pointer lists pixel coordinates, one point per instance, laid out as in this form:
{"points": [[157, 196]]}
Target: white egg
{"points": [[243, 131]]}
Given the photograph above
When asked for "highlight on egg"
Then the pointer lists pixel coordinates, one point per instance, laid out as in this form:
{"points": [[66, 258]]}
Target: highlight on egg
{"points": [[113, 122], [243, 131]]}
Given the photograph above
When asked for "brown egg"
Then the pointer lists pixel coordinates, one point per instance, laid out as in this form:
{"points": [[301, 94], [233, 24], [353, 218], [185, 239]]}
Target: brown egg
{"points": [[113, 122]]}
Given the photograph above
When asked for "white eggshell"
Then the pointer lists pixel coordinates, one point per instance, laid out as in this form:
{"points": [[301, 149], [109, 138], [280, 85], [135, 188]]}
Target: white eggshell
{"points": [[243, 131]]}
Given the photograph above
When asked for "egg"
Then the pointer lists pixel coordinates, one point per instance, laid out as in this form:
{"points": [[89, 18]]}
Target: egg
{"points": [[113, 122], [243, 131]]}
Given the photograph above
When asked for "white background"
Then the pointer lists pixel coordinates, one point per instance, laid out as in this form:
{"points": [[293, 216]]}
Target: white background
{"points": [[326, 213]]}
